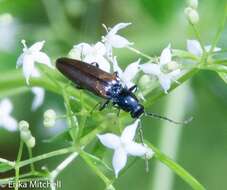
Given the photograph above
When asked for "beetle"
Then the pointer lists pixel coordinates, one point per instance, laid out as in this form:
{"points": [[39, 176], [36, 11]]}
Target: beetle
{"points": [[106, 85]]}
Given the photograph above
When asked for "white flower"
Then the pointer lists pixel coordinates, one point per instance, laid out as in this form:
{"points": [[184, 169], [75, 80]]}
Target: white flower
{"points": [[194, 47], [39, 97], [6, 120], [124, 146], [91, 54], [128, 74], [166, 70], [31, 55], [113, 40]]}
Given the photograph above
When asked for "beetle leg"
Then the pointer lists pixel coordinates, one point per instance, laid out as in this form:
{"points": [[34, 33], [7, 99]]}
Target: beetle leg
{"points": [[96, 105], [103, 105], [95, 64], [133, 88]]}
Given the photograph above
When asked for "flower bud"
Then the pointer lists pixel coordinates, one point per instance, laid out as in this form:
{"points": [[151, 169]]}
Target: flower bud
{"points": [[193, 4], [145, 82], [149, 153], [192, 15], [49, 118], [173, 65], [23, 125], [31, 142], [25, 134]]}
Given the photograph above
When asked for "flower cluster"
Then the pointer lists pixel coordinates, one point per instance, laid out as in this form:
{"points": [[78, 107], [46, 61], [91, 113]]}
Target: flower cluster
{"points": [[164, 69], [25, 134]]}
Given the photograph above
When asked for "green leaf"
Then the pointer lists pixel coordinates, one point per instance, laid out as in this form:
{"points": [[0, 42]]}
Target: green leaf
{"points": [[181, 172]]}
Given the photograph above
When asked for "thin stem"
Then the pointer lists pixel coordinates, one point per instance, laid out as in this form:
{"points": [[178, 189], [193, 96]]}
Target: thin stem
{"points": [[17, 169], [30, 157], [69, 113], [47, 155], [140, 53], [198, 36], [219, 32], [54, 174], [63, 165]]}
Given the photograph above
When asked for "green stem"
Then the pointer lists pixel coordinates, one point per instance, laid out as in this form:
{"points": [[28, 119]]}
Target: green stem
{"points": [[17, 169], [198, 36], [140, 53], [30, 157], [214, 67], [219, 32], [47, 155]]}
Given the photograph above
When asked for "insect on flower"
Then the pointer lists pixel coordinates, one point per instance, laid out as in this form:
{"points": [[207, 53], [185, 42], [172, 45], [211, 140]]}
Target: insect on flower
{"points": [[105, 85]]}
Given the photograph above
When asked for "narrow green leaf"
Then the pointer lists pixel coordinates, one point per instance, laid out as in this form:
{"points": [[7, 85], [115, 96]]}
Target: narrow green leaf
{"points": [[223, 76], [98, 162], [99, 167], [181, 172], [4, 167]]}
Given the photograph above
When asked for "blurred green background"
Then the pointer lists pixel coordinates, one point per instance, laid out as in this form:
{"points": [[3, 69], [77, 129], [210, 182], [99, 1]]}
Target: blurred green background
{"points": [[202, 146]]}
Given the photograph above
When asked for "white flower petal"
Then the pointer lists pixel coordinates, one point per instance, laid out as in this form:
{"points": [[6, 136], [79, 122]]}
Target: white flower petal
{"points": [[119, 160], [117, 41], [20, 60], [28, 67], [135, 149], [103, 64], [208, 47], [150, 68], [37, 46], [43, 58], [174, 74], [131, 70], [166, 55], [116, 67], [100, 48], [193, 46], [85, 48], [165, 82], [129, 132], [109, 140], [118, 26], [100, 60], [39, 97], [9, 123], [6, 106]]}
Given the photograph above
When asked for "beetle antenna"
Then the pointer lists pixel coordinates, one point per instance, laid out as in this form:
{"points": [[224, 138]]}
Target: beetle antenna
{"points": [[154, 115], [142, 141]]}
